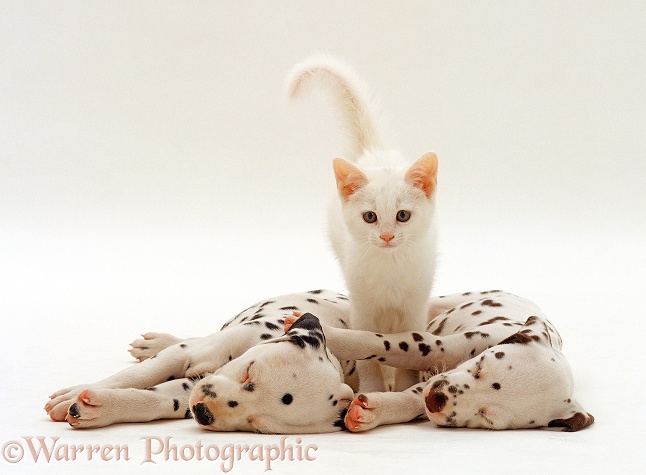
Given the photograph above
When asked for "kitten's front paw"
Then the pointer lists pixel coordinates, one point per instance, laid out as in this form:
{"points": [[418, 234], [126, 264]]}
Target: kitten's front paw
{"points": [[151, 344], [363, 413]]}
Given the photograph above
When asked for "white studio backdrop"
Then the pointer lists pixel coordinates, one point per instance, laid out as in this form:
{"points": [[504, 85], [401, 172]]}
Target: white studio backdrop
{"points": [[154, 177]]}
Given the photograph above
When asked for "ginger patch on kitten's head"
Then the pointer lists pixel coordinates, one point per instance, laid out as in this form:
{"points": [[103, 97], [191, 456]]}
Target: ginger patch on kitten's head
{"points": [[349, 179], [423, 173]]}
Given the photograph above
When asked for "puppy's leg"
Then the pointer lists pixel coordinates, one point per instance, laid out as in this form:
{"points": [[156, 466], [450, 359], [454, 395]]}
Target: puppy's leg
{"points": [[189, 358], [371, 378], [370, 410], [421, 351], [171, 363], [104, 406]]}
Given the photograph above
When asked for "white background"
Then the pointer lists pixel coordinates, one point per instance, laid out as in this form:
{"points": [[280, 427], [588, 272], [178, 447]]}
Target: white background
{"points": [[154, 177]]}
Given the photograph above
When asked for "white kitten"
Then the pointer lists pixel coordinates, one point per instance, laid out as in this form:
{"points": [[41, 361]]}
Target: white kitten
{"points": [[382, 227]]}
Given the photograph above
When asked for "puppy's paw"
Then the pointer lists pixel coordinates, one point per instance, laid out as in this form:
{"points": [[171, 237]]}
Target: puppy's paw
{"points": [[363, 413], [150, 344], [92, 408], [60, 401]]}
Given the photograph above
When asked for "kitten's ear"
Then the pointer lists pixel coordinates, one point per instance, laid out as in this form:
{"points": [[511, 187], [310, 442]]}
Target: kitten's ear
{"points": [[423, 173], [349, 178]]}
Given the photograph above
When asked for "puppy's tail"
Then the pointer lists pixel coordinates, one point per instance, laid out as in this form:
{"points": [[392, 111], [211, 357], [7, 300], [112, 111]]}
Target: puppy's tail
{"points": [[351, 96]]}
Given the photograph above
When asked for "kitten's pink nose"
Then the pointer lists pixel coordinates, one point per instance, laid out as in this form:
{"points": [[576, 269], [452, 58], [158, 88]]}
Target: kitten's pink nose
{"points": [[387, 237]]}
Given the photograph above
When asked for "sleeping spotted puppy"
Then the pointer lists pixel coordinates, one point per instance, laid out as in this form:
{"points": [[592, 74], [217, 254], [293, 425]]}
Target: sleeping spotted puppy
{"points": [[251, 376], [489, 360]]}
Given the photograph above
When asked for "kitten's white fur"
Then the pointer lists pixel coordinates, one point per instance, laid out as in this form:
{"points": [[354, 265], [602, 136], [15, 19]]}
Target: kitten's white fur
{"points": [[388, 264]]}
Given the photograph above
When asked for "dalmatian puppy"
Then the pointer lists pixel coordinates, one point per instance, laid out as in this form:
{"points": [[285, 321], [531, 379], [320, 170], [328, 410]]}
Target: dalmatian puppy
{"points": [[251, 376], [492, 360]]}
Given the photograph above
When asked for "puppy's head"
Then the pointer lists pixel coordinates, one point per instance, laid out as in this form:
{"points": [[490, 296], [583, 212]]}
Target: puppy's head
{"points": [[290, 384], [509, 386]]}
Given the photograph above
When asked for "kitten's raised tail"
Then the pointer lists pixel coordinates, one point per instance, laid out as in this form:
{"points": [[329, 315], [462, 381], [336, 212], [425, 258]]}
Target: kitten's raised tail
{"points": [[351, 96]]}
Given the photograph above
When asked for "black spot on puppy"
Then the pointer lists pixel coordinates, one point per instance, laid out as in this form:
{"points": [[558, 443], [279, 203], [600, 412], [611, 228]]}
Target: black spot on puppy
{"points": [[249, 387], [493, 320], [439, 329], [403, 345], [232, 403], [287, 399], [207, 390], [271, 326], [516, 338], [182, 345], [175, 404], [265, 336], [387, 345]]}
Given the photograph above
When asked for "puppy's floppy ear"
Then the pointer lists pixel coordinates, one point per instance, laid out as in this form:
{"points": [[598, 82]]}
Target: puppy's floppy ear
{"points": [[577, 421], [307, 322], [305, 332]]}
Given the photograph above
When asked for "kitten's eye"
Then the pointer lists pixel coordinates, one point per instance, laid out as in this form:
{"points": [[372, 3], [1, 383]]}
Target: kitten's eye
{"points": [[370, 217], [403, 215]]}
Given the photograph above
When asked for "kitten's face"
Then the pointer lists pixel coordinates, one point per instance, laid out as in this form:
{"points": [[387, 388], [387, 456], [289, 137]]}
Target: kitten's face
{"points": [[384, 207]]}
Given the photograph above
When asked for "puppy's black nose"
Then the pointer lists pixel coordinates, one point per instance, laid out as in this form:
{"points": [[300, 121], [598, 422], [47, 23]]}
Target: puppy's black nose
{"points": [[436, 400], [202, 414]]}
